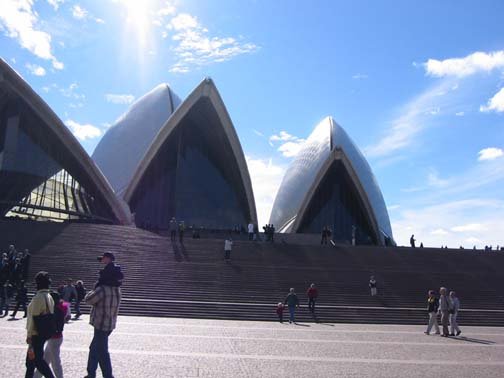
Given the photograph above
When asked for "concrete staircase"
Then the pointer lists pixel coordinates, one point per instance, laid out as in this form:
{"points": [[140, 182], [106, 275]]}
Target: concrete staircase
{"points": [[192, 280]]}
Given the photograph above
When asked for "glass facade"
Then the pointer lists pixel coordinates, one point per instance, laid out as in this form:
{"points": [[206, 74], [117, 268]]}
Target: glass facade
{"points": [[40, 178], [193, 177], [336, 204]]}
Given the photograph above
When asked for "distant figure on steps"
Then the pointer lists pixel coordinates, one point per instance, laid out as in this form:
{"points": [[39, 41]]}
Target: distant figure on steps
{"points": [[372, 286]]}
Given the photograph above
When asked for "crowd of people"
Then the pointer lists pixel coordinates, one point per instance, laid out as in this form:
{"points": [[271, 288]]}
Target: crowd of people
{"points": [[14, 268], [49, 310]]}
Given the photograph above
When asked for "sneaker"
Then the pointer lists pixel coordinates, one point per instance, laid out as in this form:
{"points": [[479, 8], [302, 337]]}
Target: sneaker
{"points": [[444, 335], [438, 333], [452, 334], [427, 333], [459, 332]]}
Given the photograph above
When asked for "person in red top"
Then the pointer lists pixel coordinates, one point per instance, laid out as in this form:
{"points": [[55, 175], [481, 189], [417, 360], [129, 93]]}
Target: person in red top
{"points": [[312, 294]]}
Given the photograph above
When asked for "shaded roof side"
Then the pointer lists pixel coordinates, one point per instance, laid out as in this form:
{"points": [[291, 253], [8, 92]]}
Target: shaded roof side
{"points": [[309, 168], [125, 143], [205, 89], [18, 85], [299, 175]]}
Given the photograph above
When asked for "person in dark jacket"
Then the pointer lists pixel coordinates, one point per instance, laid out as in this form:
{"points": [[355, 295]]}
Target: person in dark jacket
{"points": [[21, 299], [111, 275], [432, 309], [81, 293], [292, 302]]}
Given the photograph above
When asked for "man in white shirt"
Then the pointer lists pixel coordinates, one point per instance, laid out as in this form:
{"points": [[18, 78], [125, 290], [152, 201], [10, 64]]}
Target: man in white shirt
{"points": [[454, 309], [251, 231]]}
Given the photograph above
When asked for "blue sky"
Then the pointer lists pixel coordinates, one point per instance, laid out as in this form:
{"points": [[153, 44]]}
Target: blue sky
{"points": [[419, 86]]}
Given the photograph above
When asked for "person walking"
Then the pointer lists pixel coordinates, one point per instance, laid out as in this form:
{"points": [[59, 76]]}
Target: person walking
{"points": [[21, 299], [312, 294], [455, 306], [53, 345], [432, 309], [5, 298], [41, 304], [81, 293], [292, 302], [279, 311], [181, 229], [372, 286], [250, 229], [412, 241], [228, 245], [105, 300], [444, 309], [69, 293], [173, 229]]}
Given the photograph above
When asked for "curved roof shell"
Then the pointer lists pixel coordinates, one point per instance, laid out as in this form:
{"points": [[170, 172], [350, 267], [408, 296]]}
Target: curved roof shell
{"points": [[18, 101], [125, 143], [328, 143], [204, 106]]}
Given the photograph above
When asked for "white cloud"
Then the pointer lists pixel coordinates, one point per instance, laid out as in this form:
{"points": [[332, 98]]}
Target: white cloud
{"points": [[459, 114], [167, 10], [468, 65], [79, 12], [119, 98], [496, 103], [55, 3], [290, 144], [258, 133], [433, 179], [359, 76], [266, 178], [414, 117], [83, 132], [471, 227], [36, 69], [195, 48], [393, 207], [19, 21], [451, 223], [70, 91], [490, 153], [439, 231]]}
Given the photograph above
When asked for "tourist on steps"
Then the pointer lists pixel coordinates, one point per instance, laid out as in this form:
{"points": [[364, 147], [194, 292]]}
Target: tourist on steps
{"points": [[372, 286], [292, 303], [173, 229], [228, 245], [432, 309], [81, 293], [312, 294], [412, 241]]}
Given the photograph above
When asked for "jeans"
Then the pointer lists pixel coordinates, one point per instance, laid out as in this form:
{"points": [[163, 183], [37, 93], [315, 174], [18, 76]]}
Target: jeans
{"points": [[227, 254], [52, 357], [99, 354], [77, 308], [453, 323], [444, 322], [37, 344], [292, 311], [433, 322]]}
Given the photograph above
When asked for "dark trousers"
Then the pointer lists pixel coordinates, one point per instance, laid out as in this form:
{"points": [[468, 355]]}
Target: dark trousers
{"points": [[181, 236], [38, 363], [280, 317], [19, 304], [77, 308], [227, 254], [324, 240], [311, 304], [99, 354], [173, 235]]}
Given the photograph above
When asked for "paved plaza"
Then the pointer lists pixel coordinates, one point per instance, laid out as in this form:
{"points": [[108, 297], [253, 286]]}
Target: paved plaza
{"points": [[165, 347]]}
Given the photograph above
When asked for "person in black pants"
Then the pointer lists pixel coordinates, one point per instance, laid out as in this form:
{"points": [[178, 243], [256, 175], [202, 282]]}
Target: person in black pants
{"points": [[21, 299]]}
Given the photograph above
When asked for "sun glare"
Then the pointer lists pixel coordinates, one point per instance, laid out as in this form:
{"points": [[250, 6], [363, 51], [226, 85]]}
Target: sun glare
{"points": [[138, 18]]}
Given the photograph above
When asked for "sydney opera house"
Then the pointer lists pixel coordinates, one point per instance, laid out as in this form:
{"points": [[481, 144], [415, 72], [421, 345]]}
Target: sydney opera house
{"points": [[169, 158]]}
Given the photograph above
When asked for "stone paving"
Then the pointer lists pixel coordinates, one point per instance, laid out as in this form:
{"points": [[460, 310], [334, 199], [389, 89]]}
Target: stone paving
{"points": [[166, 347]]}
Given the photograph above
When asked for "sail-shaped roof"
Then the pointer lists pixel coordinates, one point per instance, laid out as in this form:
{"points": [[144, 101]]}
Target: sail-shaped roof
{"points": [[195, 169], [329, 144], [44, 171], [125, 143]]}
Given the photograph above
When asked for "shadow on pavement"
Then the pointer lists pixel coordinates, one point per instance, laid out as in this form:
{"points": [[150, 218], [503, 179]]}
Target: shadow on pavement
{"points": [[471, 340]]}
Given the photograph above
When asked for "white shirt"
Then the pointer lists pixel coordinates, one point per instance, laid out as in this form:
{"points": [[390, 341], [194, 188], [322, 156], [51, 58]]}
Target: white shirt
{"points": [[251, 228], [228, 244]]}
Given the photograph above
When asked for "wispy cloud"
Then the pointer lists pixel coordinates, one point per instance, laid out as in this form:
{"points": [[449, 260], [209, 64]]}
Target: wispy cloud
{"points": [[55, 3], [266, 177], [119, 98], [19, 21], [359, 76], [80, 13], [290, 145], [468, 65], [258, 133], [496, 103], [195, 46], [83, 131], [490, 153], [35, 69]]}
